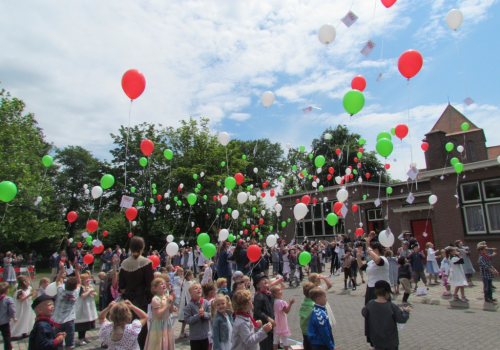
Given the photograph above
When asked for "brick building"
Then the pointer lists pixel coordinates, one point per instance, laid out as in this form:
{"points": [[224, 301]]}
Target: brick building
{"points": [[468, 206]]}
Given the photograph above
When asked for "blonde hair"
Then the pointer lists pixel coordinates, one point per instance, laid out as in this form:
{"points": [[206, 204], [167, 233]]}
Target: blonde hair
{"points": [[241, 299], [45, 279], [213, 308], [156, 282], [179, 271], [316, 292], [275, 289], [188, 273], [314, 278], [191, 287], [220, 281], [306, 288], [84, 275], [120, 314]]}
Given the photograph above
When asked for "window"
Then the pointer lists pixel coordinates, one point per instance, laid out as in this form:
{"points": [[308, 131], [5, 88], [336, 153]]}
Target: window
{"points": [[494, 217], [471, 152], [481, 206], [318, 211], [375, 214], [470, 192], [318, 228], [474, 219], [491, 189], [299, 229], [454, 142], [308, 229]]}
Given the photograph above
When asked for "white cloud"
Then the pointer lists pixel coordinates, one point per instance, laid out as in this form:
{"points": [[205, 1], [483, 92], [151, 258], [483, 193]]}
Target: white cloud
{"points": [[239, 116]]}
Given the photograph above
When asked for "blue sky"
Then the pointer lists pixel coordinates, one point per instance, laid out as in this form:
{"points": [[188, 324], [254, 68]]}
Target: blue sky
{"points": [[215, 58]]}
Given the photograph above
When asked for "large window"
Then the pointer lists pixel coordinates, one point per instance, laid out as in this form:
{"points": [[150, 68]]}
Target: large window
{"points": [[470, 192], [474, 219], [471, 152], [375, 214], [481, 206], [315, 224]]}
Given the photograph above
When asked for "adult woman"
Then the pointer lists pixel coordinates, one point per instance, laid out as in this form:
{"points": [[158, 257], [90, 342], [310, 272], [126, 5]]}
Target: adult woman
{"points": [[335, 258], [8, 271], [136, 275], [464, 254], [223, 267], [377, 268], [240, 257]]}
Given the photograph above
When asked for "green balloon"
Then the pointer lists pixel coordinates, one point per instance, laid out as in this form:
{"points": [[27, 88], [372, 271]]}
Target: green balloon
{"points": [[107, 181], [168, 154], [304, 258], [354, 171], [283, 224], [249, 188], [310, 177], [242, 157], [198, 185], [294, 167], [237, 236], [89, 240], [260, 237], [195, 176], [230, 183], [47, 160], [389, 190], [196, 190], [230, 238], [218, 210], [320, 188], [465, 126], [244, 223], [8, 191], [449, 146], [281, 178], [208, 250], [319, 161], [139, 203], [205, 197], [254, 209], [155, 191], [229, 210], [459, 167], [270, 228], [354, 101], [384, 135], [384, 147], [332, 219], [360, 155], [192, 199], [311, 156], [151, 200], [256, 230], [223, 164], [290, 191], [362, 141], [132, 189], [364, 196], [176, 198], [288, 220], [302, 148], [143, 161], [153, 185], [202, 239], [393, 131], [218, 183], [179, 203], [304, 172], [454, 161]]}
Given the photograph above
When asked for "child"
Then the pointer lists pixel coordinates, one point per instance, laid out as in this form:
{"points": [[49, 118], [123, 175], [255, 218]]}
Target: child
{"points": [[244, 336], [178, 285], [381, 318], [457, 276], [346, 266], [171, 274], [209, 290], [7, 312], [445, 272], [264, 308], [188, 281], [120, 332], [316, 280], [44, 282], [393, 270], [64, 313], [248, 284], [319, 329], [240, 285], [281, 309], [85, 310], [197, 315], [161, 333], [292, 259], [102, 291], [23, 298], [207, 276], [415, 258], [43, 337], [432, 266], [488, 272], [222, 286], [404, 277], [222, 323], [306, 308]]}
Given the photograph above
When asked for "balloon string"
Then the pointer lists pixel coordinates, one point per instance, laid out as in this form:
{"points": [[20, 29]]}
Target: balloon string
{"points": [[126, 145], [409, 126], [187, 225], [445, 162], [4, 214], [373, 17], [43, 181], [352, 3], [227, 162], [461, 67]]}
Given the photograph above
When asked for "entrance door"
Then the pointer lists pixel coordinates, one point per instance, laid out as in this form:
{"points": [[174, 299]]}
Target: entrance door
{"points": [[418, 228], [376, 226]]}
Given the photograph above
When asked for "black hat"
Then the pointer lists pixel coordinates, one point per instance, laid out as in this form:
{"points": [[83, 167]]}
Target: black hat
{"points": [[257, 279], [383, 285], [40, 300]]}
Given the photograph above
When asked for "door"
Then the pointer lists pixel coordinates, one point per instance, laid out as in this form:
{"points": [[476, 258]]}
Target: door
{"points": [[419, 228]]}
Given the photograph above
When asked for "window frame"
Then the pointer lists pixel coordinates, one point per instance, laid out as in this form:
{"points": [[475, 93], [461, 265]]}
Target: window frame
{"points": [[368, 211], [486, 199], [474, 233], [490, 230], [479, 186]]}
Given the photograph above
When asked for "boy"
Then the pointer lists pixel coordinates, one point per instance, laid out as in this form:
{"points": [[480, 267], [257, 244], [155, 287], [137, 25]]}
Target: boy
{"points": [[488, 272], [382, 317], [222, 286], [7, 311], [237, 276], [42, 335], [264, 307], [404, 277], [306, 308], [319, 329], [415, 258], [197, 316], [64, 313]]}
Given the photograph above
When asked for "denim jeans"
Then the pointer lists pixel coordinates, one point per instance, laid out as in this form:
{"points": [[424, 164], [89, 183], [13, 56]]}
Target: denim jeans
{"points": [[69, 329], [488, 288]]}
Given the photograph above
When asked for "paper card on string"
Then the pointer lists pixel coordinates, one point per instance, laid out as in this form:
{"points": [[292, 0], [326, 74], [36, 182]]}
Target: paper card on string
{"points": [[182, 243], [307, 110], [424, 234], [388, 231], [255, 150], [379, 78], [377, 202], [468, 101], [344, 211], [412, 173], [248, 221], [367, 50], [97, 243], [127, 202], [410, 198], [69, 270], [349, 19], [153, 209], [85, 234]]}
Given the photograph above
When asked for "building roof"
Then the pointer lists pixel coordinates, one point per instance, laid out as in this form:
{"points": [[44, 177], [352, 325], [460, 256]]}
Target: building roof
{"points": [[451, 121], [493, 152]]}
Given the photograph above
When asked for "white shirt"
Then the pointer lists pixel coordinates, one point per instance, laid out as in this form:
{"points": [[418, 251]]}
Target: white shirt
{"points": [[377, 273], [431, 254]]}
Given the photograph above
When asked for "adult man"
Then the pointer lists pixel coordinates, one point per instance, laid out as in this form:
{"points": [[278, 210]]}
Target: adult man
{"points": [[106, 260]]}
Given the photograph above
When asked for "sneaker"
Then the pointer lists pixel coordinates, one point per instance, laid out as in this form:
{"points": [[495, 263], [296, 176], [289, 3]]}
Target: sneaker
{"points": [[354, 288], [465, 299], [182, 335], [490, 300], [82, 342], [455, 297], [446, 294]]}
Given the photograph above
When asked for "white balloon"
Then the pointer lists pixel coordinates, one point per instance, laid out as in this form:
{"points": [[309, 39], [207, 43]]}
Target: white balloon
{"points": [[172, 248], [314, 184], [278, 207], [251, 186], [360, 224], [342, 195], [348, 171], [326, 34], [271, 240], [96, 192], [39, 199], [454, 19], [283, 180], [498, 159], [255, 170], [242, 197], [360, 179], [267, 98], [460, 149], [170, 238], [248, 239], [223, 200], [318, 180], [223, 234], [202, 174], [235, 214], [386, 240], [86, 192], [51, 289], [325, 199], [263, 212], [70, 240], [134, 223], [328, 136], [319, 170], [300, 211], [224, 138], [85, 186], [181, 185], [288, 146], [338, 180], [225, 190], [166, 195], [167, 207], [433, 199]]}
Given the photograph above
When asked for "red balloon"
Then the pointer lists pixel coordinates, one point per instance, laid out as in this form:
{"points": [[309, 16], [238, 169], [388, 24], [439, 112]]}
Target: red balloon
{"points": [[354, 208], [88, 258], [253, 233], [72, 216], [359, 165], [155, 260], [315, 177], [358, 83], [387, 166], [92, 225], [301, 175], [331, 170], [263, 194], [360, 150], [315, 200], [158, 197], [105, 233], [220, 195], [388, 3], [79, 244], [351, 176], [306, 199], [131, 213], [133, 83], [401, 131], [329, 177], [424, 146], [253, 252], [252, 227], [356, 159], [197, 230], [410, 62], [297, 200], [179, 188], [239, 178], [99, 250], [130, 234], [215, 198], [337, 151], [226, 217], [346, 178], [261, 221], [147, 147], [359, 232], [337, 207], [264, 185], [245, 232], [350, 167], [367, 175], [272, 193]]}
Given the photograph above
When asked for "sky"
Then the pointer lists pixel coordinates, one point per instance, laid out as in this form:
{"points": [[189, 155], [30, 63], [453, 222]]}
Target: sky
{"points": [[215, 58]]}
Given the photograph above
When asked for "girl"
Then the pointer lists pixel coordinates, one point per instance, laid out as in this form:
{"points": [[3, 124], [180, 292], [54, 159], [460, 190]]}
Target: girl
{"points": [[432, 266], [457, 275], [468, 268], [316, 279], [119, 333], [445, 272], [178, 285], [346, 266], [23, 298], [281, 309], [185, 298], [222, 323], [161, 333], [9, 275], [85, 310], [286, 264], [393, 271]]}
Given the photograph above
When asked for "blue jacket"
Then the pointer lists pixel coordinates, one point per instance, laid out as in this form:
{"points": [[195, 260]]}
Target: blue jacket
{"points": [[320, 329], [220, 329], [42, 336]]}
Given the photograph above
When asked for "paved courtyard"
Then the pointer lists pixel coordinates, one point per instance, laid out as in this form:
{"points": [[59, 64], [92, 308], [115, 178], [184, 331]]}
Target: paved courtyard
{"points": [[435, 323]]}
